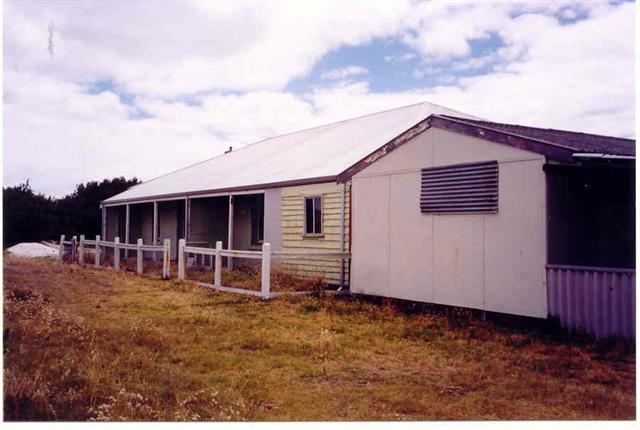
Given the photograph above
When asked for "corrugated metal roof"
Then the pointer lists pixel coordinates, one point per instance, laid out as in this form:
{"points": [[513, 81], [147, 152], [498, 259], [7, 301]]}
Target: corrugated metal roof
{"points": [[320, 152], [343, 148]]}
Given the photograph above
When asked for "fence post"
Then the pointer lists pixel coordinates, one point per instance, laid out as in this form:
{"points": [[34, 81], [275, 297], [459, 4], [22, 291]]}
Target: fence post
{"points": [[81, 250], [116, 253], [217, 276], [181, 268], [139, 257], [61, 248], [74, 248], [166, 259], [266, 269], [96, 261], [342, 270]]}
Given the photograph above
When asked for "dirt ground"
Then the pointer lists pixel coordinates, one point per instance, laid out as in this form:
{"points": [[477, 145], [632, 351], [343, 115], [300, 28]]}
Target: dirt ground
{"points": [[95, 344]]}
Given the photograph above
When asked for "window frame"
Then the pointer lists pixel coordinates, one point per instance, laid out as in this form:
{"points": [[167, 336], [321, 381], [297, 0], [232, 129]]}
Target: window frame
{"points": [[313, 234]]}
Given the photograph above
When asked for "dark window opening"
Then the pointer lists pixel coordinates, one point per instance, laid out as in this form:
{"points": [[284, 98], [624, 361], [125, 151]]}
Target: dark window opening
{"points": [[313, 215], [591, 215], [257, 220]]}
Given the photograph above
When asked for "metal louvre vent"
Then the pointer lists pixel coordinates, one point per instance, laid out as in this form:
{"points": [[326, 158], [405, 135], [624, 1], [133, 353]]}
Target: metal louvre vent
{"points": [[460, 188]]}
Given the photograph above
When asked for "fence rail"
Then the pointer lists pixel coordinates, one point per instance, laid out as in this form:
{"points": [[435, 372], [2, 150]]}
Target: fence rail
{"points": [[78, 250], [599, 300], [305, 264], [268, 259]]}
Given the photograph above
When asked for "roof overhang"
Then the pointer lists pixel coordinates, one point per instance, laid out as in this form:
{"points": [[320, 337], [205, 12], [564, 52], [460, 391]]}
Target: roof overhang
{"points": [[220, 191]]}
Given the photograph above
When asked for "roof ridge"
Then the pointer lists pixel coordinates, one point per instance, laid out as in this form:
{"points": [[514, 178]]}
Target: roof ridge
{"points": [[292, 133], [349, 119]]}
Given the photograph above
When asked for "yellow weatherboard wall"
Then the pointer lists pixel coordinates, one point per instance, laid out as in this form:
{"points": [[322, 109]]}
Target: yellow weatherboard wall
{"points": [[293, 237]]}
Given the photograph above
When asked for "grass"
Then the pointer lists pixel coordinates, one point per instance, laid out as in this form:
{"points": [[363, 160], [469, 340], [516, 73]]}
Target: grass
{"points": [[95, 344], [246, 277]]}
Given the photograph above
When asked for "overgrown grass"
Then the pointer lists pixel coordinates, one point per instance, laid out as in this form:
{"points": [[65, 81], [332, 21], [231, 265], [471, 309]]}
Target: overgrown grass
{"points": [[247, 277], [85, 344]]}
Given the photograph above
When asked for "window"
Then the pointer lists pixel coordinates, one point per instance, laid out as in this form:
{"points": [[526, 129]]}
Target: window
{"points": [[313, 215], [460, 188]]}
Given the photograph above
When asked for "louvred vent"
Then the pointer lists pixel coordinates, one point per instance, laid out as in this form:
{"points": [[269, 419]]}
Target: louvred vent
{"points": [[460, 188]]}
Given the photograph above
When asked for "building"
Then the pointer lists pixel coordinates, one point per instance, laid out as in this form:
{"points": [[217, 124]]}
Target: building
{"points": [[282, 190], [434, 205]]}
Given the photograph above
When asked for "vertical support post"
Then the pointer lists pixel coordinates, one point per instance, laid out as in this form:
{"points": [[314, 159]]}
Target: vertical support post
{"points": [[187, 218], [342, 247], [61, 248], [155, 227], [266, 270], [103, 231], [181, 268], [230, 231], [127, 219], [81, 250], [74, 249], [96, 261], [218, 269], [139, 257], [166, 259], [116, 253]]}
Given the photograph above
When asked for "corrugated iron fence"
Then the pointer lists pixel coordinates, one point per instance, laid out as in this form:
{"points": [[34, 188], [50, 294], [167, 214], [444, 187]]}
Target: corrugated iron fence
{"points": [[599, 300]]}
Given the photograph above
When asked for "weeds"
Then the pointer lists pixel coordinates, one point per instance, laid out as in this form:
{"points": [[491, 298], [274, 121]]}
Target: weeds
{"points": [[99, 345]]}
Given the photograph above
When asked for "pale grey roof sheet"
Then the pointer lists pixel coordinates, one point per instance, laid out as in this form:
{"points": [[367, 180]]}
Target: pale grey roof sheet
{"points": [[318, 152]]}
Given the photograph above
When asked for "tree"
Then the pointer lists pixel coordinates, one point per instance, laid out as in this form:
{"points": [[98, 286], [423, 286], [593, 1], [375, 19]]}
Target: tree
{"points": [[34, 217], [28, 217]]}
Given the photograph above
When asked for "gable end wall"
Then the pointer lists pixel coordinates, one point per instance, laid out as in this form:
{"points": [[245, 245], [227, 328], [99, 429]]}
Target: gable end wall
{"points": [[494, 262]]}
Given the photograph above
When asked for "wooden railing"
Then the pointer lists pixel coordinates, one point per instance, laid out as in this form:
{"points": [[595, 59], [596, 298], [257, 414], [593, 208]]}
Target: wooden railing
{"points": [[265, 257], [79, 249]]}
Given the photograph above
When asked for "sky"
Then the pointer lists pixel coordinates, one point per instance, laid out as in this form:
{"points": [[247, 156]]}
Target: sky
{"points": [[101, 89]]}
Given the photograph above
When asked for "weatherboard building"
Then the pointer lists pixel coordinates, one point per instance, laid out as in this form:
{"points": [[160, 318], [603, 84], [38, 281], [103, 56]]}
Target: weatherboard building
{"points": [[434, 206]]}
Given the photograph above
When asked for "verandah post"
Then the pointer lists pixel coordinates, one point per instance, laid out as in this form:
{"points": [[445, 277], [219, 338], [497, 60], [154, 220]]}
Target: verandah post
{"points": [[127, 221], [155, 227], [166, 259], [266, 269], [139, 257], [61, 248], [81, 250], [181, 269], [96, 261], [116, 253], [217, 276]]}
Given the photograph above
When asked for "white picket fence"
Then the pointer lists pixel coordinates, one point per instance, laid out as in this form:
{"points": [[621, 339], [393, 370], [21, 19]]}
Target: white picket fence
{"points": [[81, 246], [218, 253], [265, 257]]}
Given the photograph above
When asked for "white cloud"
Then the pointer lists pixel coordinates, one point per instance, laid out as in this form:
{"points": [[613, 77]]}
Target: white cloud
{"points": [[233, 60], [344, 72], [169, 48], [400, 58]]}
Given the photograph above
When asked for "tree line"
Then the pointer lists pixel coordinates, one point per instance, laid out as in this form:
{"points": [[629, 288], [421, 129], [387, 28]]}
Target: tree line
{"points": [[32, 217]]}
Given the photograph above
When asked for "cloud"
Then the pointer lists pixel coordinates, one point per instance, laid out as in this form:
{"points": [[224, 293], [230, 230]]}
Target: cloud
{"points": [[168, 49], [344, 72], [400, 58], [208, 75]]}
